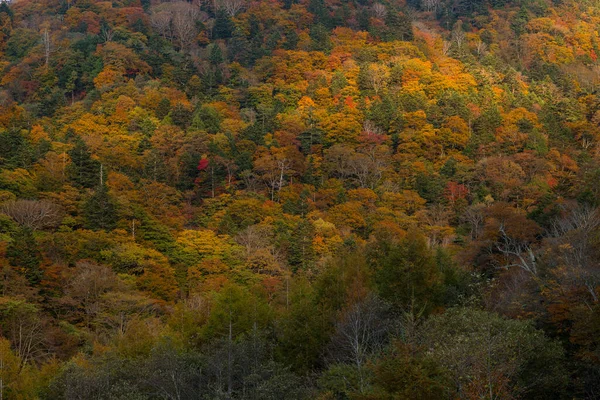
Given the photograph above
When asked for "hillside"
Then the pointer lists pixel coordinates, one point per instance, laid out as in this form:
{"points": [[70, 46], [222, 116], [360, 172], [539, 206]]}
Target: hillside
{"points": [[298, 199]]}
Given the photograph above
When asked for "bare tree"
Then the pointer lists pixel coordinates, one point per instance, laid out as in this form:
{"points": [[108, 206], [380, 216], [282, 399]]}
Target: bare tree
{"points": [[430, 5], [458, 36], [22, 325], [88, 284], [573, 237], [378, 77], [366, 167], [256, 237], [512, 235], [276, 166], [107, 34], [47, 44], [184, 20], [371, 128], [251, 181], [519, 251], [91, 281], [361, 332], [367, 170], [435, 219], [177, 21], [161, 21], [481, 48], [231, 7], [33, 214], [229, 165], [337, 161], [380, 11], [584, 219], [474, 216], [446, 46]]}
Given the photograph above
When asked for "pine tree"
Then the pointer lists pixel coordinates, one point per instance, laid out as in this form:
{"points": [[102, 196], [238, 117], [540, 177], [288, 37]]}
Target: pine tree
{"points": [[84, 170], [216, 55], [399, 27], [291, 40], [100, 210], [301, 251], [181, 116], [224, 26], [23, 253], [15, 150], [319, 9], [319, 37], [163, 109]]}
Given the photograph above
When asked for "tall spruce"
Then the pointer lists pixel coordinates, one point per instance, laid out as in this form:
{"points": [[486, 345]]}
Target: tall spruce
{"points": [[100, 210], [84, 169], [23, 253]]}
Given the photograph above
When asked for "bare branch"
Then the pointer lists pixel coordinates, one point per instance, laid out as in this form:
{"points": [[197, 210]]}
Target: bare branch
{"points": [[33, 214]]}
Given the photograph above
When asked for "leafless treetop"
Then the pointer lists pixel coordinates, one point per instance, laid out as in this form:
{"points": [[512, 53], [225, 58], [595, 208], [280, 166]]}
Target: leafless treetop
{"points": [[33, 214]]}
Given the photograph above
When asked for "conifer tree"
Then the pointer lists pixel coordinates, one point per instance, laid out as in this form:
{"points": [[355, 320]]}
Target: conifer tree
{"points": [[23, 253], [84, 170], [100, 210]]}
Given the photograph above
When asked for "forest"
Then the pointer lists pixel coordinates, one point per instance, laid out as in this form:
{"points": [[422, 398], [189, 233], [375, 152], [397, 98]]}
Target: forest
{"points": [[299, 199]]}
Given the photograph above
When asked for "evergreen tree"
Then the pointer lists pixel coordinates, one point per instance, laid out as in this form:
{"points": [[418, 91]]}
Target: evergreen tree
{"points": [[23, 253], [407, 273], [153, 231], [224, 26], [484, 128], [84, 170], [146, 5], [164, 108], [239, 49], [15, 151], [301, 251], [287, 4], [291, 40], [181, 116], [398, 27], [4, 8], [216, 55], [319, 9], [319, 38], [520, 22], [100, 210], [364, 19]]}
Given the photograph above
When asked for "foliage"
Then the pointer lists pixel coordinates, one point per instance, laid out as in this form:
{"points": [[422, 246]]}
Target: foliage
{"points": [[287, 199]]}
